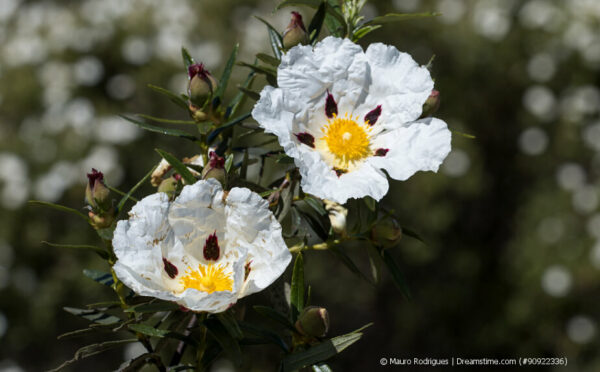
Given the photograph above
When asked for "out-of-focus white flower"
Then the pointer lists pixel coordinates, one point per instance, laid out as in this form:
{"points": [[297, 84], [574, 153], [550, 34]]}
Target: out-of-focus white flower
{"points": [[344, 114], [337, 216], [205, 250]]}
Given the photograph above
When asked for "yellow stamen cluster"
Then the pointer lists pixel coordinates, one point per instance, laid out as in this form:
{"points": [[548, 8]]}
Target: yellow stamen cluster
{"points": [[347, 140], [208, 278]]}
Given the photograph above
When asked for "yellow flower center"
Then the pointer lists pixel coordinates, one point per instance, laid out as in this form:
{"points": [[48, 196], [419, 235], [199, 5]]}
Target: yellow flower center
{"points": [[208, 278], [347, 140]]}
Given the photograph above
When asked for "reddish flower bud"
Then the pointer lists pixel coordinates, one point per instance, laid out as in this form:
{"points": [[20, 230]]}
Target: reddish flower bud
{"points": [[202, 84], [295, 33], [215, 168], [432, 104], [313, 321], [96, 192]]}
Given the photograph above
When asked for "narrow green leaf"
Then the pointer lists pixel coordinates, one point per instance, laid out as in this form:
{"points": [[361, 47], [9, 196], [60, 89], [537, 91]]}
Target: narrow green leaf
{"points": [[269, 71], [148, 330], [153, 307], [167, 121], [227, 342], [230, 324], [265, 334], [101, 252], [240, 97], [187, 58], [228, 163], [133, 189], [94, 349], [347, 261], [374, 262], [229, 124], [161, 130], [268, 59], [60, 208], [227, 72], [94, 315], [466, 135], [176, 99], [269, 312], [101, 277], [397, 17], [276, 43], [370, 203], [316, 205], [317, 22], [335, 21], [320, 352], [363, 31], [250, 93], [178, 166], [297, 287], [408, 232], [106, 233], [397, 275], [310, 3]]}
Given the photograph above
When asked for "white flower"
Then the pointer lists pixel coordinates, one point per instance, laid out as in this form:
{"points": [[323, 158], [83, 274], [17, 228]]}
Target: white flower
{"points": [[204, 250], [344, 114]]}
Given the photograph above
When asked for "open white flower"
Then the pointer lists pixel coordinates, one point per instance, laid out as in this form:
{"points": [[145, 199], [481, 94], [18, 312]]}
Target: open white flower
{"points": [[344, 114], [204, 250]]}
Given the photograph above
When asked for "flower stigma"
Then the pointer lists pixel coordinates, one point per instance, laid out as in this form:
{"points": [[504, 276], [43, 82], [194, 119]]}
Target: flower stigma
{"points": [[347, 140], [208, 278]]}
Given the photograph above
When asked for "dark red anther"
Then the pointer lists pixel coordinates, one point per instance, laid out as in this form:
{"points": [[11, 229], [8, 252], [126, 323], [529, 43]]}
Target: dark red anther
{"points": [[211, 247], [381, 152], [373, 115], [306, 139], [330, 106], [177, 176], [197, 69], [94, 176], [170, 269]]}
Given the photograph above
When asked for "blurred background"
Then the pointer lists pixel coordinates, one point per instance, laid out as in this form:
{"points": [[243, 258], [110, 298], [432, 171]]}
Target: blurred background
{"points": [[511, 267]]}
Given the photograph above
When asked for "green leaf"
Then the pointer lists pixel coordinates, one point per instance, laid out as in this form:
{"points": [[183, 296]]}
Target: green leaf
{"points": [[106, 233], [101, 277], [408, 232], [94, 315], [335, 21], [240, 97], [101, 252], [374, 262], [275, 38], [317, 22], [397, 275], [178, 166], [148, 330], [161, 130], [363, 31], [310, 3], [259, 69], [176, 99], [371, 203], [230, 324], [316, 205], [320, 352], [133, 189], [280, 318], [347, 261], [397, 17], [227, 342], [187, 58], [153, 307], [466, 135], [297, 287], [265, 334], [229, 124], [228, 162], [227, 72], [60, 208], [268, 59], [250, 93], [167, 121], [90, 350]]}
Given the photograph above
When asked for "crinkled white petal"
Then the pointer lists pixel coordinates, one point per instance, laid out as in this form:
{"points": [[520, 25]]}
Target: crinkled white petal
{"points": [[399, 85], [247, 232], [421, 146]]}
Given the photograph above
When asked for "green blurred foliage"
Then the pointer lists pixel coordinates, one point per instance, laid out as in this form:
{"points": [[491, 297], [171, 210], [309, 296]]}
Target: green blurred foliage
{"points": [[512, 228]]}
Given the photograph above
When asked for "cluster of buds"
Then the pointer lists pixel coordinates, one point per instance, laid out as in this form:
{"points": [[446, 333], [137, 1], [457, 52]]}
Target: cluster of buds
{"points": [[295, 33], [97, 196], [313, 321]]}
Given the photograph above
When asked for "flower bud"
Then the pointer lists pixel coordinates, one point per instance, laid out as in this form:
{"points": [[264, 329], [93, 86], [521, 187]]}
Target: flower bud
{"points": [[169, 185], [432, 104], [337, 216], [102, 220], [215, 168], [386, 232], [202, 84], [96, 192], [313, 321], [295, 33]]}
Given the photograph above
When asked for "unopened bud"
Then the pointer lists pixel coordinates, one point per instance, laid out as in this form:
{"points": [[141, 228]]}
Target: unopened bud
{"points": [[432, 104], [102, 220], [169, 186], [313, 321], [215, 168], [386, 232], [337, 216], [202, 84], [295, 33], [97, 195]]}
